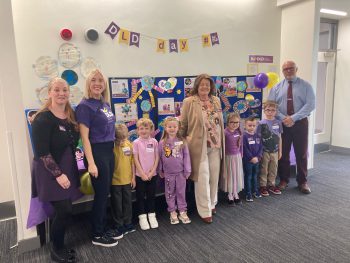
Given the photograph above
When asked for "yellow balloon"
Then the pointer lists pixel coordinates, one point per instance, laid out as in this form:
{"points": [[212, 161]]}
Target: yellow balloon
{"points": [[249, 97], [85, 184], [273, 79]]}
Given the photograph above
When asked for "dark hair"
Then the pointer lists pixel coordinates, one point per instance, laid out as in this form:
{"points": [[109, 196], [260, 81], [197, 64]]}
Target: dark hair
{"points": [[250, 118], [198, 81]]}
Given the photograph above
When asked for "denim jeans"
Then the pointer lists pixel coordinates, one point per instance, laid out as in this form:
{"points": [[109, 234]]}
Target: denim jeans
{"points": [[251, 171]]}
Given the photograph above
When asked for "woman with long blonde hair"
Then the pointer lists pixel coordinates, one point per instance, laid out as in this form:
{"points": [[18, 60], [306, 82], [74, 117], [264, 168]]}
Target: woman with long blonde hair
{"points": [[97, 129]]}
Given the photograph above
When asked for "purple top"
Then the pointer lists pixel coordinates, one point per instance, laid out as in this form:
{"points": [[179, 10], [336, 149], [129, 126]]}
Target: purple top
{"points": [[233, 142], [98, 117], [252, 146], [174, 157]]}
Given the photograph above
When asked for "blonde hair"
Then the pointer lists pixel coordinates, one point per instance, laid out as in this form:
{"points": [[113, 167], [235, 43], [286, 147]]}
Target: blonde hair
{"points": [[165, 135], [67, 109], [87, 92], [121, 133], [145, 122]]}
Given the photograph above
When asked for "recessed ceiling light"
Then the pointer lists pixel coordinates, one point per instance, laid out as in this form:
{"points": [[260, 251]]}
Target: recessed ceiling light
{"points": [[333, 12]]}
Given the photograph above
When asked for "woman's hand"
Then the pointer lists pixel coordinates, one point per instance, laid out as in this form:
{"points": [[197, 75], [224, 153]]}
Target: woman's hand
{"points": [[93, 170], [63, 181]]}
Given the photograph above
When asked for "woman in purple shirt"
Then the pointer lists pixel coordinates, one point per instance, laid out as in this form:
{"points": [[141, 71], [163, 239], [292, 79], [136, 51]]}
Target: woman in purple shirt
{"points": [[97, 130]]}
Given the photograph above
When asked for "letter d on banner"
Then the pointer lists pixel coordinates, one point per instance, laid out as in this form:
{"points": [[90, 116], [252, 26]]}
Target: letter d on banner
{"points": [[112, 30], [161, 45], [134, 39]]}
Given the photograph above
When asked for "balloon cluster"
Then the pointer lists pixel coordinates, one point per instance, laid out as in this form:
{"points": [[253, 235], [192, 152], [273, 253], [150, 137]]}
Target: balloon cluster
{"points": [[263, 80]]}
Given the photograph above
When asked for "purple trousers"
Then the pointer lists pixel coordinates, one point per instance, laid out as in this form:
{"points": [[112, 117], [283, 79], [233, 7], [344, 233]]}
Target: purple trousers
{"points": [[298, 135], [175, 192]]}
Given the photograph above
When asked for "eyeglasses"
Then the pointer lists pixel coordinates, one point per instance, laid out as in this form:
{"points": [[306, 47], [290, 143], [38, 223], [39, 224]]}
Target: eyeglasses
{"points": [[289, 69], [235, 122]]}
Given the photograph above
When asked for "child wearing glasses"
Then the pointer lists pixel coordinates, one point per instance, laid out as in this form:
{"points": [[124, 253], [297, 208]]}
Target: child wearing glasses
{"points": [[271, 130], [232, 180]]}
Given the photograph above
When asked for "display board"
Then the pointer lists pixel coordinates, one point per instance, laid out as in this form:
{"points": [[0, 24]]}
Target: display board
{"points": [[159, 97]]}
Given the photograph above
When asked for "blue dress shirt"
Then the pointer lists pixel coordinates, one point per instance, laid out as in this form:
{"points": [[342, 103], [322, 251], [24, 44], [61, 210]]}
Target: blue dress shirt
{"points": [[303, 98]]}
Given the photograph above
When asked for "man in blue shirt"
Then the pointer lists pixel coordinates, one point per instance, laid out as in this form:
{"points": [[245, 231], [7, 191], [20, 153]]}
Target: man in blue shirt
{"points": [[296, 100]]}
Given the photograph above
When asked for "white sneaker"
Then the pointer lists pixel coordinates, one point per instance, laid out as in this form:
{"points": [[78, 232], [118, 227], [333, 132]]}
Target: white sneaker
{"points": [[143, 222], [153, 220], [184, 218]]}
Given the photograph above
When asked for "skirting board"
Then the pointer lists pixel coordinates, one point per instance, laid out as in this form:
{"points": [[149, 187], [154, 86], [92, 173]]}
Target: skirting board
{"points": [[28, 244]]}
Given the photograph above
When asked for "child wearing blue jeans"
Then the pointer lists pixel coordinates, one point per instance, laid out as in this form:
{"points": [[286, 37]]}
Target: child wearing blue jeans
{"points": [[252, 153]]}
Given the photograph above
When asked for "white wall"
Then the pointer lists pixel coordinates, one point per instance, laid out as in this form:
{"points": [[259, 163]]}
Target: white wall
{"points": [[244, 27], [299, 42], [341, 120], [14, 154]]}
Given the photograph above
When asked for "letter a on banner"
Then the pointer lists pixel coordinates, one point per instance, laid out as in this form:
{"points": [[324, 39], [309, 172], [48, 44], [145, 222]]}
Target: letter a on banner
{"points": [[161, 45], [124, 36], [206, 40], [183, 44], [173, 45]]}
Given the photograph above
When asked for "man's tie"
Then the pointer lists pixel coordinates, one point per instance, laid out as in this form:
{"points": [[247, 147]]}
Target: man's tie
{"points": [[290, 106]]}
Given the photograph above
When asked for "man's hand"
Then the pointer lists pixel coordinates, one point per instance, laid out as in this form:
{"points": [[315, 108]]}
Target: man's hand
{"points": [[288, 121]]}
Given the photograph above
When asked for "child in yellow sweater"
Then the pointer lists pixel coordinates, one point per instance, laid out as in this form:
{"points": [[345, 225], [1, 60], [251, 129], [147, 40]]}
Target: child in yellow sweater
{"points": [[123, 182]]}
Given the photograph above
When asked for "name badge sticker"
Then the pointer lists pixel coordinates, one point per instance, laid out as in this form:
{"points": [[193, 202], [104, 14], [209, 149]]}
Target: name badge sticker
{"points": [[178, 143], [62, 128], [149, 148], [251, 142]]}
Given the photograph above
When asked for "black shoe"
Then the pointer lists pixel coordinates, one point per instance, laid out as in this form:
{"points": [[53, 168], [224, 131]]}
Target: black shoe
{"points": [[238, 201], [104, 241], [62, 256], [114, 233], [129, 228], [230, 202]]}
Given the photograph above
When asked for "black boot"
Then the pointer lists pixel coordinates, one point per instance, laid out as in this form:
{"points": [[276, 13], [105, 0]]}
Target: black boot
{"points": [[63, 256]]}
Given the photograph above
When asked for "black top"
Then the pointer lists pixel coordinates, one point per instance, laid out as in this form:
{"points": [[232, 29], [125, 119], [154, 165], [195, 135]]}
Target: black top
{"points": [[51, 137]]}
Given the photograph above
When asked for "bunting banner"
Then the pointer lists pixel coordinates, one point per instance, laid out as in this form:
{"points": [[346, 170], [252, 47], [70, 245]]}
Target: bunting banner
{"points": [[171, 45]]}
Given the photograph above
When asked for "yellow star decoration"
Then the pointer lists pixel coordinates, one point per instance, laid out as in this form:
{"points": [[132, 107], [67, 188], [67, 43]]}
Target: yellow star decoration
{"points": [[178, 91], [140, 97]]}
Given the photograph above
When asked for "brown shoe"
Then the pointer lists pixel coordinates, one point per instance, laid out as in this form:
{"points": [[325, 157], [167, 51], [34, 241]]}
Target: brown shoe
{"points": [[282, 185], [207, 220], [304, 188]]}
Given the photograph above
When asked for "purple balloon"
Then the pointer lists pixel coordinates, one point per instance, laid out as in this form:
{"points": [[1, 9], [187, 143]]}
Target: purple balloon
{"points": [[261, 80]]}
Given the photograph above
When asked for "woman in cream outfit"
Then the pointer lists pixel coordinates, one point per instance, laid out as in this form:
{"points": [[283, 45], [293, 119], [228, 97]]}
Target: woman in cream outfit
{"points": [[203, 126]]}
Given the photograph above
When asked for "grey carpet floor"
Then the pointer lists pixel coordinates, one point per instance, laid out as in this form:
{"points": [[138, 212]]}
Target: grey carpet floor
{"points": [[289, 228]]}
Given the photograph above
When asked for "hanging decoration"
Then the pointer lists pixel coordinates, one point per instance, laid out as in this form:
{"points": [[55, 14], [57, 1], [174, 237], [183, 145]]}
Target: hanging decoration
{"points": [[174, 45]]}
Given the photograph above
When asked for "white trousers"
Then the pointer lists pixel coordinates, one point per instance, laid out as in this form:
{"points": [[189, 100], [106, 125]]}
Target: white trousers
{"points": [[206, 188]]}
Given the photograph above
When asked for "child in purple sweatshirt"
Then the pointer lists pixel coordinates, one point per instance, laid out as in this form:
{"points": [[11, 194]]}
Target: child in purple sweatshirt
{"points": [[175, 167], [252, 153]]}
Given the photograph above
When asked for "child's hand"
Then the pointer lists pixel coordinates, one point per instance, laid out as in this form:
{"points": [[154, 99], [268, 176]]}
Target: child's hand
{"points": [[161, 174], [187, 175], [133, 183], [144, 177], [279, 155], [254, 160]]}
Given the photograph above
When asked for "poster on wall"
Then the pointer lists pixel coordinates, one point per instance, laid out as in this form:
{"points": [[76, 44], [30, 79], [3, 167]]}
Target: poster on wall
{"points": [[250, 85], [188, 85], [178, 108], [127, 112], [166, 106], [120, 88]]}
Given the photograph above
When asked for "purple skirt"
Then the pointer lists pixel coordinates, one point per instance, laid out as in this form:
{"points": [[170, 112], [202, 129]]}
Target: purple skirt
{"points": [[45, 186]]}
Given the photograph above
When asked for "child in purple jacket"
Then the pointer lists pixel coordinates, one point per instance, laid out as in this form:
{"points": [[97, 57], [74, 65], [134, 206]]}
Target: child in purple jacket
{"points": [[175, 167], [252, 153]]}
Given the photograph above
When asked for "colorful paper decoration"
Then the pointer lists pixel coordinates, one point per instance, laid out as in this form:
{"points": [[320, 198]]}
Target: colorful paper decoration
{"points": [[241, 85], [225, 101], [87, 65], [249, 97], [75, 95], [173, 45], [124, 36], [69, 55], [240, 106], [132, 135], [161, 45], [70, 76], [134, 39], [42, 94], [45, 67], [183, 42], [146, 106], [214, 39], [205, 40], [112, 30]]}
